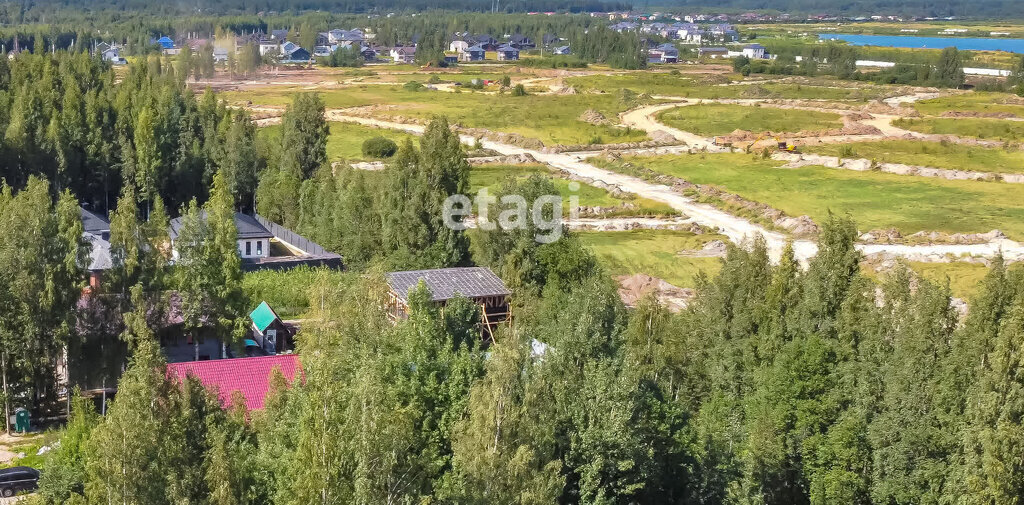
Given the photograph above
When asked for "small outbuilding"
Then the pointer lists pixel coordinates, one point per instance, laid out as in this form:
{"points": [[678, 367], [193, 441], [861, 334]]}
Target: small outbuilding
{"points": [[269, 333], [479, 284]]}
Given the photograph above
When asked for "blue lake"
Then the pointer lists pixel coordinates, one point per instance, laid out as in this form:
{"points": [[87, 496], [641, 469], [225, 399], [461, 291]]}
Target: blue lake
{"points": [[1008, 45]]}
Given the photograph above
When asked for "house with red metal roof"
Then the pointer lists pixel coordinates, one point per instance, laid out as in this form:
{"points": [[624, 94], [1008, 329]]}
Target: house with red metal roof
{"points": [[249, 376]]}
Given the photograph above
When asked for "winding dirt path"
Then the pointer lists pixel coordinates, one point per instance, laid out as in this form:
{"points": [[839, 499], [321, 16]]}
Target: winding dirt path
{"points": [[737, 229]]}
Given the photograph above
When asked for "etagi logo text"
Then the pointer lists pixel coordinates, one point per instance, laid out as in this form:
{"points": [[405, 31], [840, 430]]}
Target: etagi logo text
{"points": [[544, 214]]}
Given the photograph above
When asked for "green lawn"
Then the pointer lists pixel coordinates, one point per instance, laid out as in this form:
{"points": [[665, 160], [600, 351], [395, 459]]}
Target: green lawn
{"points": [[874, 199], [975, 102], [652, 252], [491, 177], [929, 154], [990, 129], [346, 139], [552, 119], [722, 119]]}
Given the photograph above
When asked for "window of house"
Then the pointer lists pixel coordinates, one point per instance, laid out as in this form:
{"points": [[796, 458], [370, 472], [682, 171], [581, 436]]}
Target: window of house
{"points": [[259, 248], [248, 248]]}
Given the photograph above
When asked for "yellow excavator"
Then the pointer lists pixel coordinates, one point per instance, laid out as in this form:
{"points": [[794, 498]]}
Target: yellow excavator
{"points": [[782, 145]]}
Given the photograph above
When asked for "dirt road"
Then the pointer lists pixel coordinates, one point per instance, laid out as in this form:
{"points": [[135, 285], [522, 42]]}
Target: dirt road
{"points": [[737, 229]]}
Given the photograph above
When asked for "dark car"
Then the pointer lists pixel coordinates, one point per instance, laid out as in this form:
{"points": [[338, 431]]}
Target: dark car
{"points": [[19, 478]]}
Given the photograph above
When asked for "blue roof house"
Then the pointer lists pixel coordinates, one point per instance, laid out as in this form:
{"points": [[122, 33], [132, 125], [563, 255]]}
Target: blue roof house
{"points": [[165, 42]]}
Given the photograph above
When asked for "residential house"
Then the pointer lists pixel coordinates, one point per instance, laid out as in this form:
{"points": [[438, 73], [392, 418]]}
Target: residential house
{"points": [[323, 51], [755, 52], [269, 46], [249, 377], [458, 46], [561, 50], [292, 53], [723, 33], [263, 244], [368, 53], [479, 284], [167, 46], [624, 26], [220, 55], [507, 53], [335, 36], [403, 54], [473, 53], [113, 55], [279, 35], [665, 53], [520, 41], [712, 52], [96, 231], [485, 41], [451, 59]]}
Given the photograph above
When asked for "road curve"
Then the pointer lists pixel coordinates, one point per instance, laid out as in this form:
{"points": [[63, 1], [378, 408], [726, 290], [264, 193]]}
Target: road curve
{"points": [[737, 229]]}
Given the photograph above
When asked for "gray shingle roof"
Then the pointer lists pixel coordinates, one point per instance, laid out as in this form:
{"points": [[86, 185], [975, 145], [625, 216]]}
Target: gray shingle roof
{"points": [[248, 227], [444, 283], [94, 223], [99, 254]]}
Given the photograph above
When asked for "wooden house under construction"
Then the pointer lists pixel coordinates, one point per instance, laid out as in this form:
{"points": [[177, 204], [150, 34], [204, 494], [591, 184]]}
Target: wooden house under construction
{"points": [[476, 283]]}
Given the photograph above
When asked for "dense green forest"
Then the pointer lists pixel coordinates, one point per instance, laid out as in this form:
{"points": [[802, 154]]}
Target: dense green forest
{"points": [[64, 118], [777, 385]]}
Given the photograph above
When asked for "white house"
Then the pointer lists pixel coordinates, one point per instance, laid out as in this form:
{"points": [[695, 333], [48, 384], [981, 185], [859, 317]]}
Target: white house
{"points": [[755, 52], [403, 54], [268, 46], [458, 46]]}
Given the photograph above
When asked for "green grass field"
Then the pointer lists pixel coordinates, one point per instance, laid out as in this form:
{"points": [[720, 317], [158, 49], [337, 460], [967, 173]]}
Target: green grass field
{"points": [[549, 118], [492, 176], [652, 252], [989, 129], [964, 277], [974, 102], [929, 154], [346, 139], [702, 86], [873, 199], [721, 119]]}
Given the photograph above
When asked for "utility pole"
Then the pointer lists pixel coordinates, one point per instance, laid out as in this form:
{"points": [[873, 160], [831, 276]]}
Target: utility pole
{"points": [[7, 403]]}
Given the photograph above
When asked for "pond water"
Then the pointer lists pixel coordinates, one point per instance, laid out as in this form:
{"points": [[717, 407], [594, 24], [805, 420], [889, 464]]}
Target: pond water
{"points": [[967, 44]]}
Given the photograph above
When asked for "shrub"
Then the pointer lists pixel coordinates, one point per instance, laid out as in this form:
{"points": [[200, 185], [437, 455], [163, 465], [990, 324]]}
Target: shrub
{"points": [[519, 90], [434, 79], [413, 86], [379, 147], [506, 81]]}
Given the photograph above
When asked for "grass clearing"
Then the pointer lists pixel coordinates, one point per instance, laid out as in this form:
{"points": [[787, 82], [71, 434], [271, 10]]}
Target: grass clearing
{"points": [[964, 277], [552, 119], [345, 141], [492, 176], [873, 199], [722, 119], [705, 86], [1003, 103], [652, 252], [929, 154], [29, 446], [989, 129]]}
